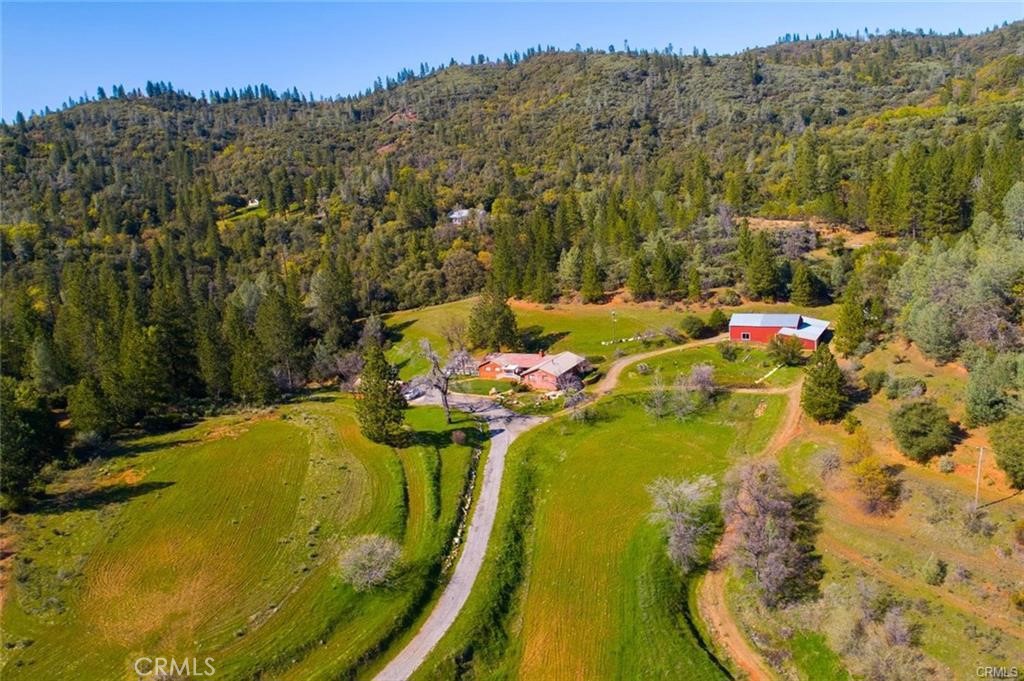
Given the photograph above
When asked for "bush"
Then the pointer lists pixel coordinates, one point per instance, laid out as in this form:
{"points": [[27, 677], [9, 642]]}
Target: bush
{"points": [[947, 465], [875, 380], [729, 298], [643, 368], [369, 561], [458, 437], [905, 386], [922, 430], [728, 350], [786, 350], [851, 423], [880, 489], [717, 321], [693, 326], [934, 571], [1009, 446]]}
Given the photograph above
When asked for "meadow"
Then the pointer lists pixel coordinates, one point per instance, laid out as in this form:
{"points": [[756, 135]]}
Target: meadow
{"points": [[222, 540], [600, 598], [587, 330]]}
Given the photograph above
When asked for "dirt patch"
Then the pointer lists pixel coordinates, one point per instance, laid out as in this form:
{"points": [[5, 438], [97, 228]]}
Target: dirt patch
{"points": [[233, 430]]}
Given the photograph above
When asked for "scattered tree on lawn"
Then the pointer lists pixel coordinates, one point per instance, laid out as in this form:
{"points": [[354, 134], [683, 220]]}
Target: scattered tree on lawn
{"points": [[685, 510], [823, 396], [922, 430], [441, 372], [801, 290], [880, 489], [775, 533], [380, 406], [369, 561], [851, 327]]}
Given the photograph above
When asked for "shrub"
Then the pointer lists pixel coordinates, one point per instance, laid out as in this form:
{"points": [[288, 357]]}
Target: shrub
{"points": [[947, 465], [905, 386], [880, 489], [934, 571], [729, 298], [369, 561], [458, 437], [851, 423], [922, 430], [727, 350], [1009, 446], [875, 380], [717, 321], [787, 350], [693, 326], [643, 368], [857, 447]]}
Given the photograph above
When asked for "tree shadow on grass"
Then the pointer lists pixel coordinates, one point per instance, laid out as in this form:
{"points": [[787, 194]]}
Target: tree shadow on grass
{"points": [[115, 494], [805, 582], [471, 436], [534, 339], [395, 333]]}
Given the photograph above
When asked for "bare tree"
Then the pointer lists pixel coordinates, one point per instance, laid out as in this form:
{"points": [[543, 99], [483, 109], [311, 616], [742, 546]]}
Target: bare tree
{"points": [[770, 533], [441, 372], [453, 330], [369, 561], [683, 508]]}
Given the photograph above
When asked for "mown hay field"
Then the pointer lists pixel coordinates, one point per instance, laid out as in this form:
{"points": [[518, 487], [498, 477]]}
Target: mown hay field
{"points": [[598, 597], [222, 540]]}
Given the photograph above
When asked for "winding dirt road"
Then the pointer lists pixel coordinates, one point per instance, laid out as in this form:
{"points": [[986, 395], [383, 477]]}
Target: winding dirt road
{"points": [[611, 378], [504, 426], [711, 602]]}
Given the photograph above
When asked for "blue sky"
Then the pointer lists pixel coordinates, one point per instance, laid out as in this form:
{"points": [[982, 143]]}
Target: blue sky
{"points": [[53, 51]]}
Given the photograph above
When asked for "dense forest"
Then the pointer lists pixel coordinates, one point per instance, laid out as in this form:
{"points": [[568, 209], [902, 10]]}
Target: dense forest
{"points": [[162, 250]]}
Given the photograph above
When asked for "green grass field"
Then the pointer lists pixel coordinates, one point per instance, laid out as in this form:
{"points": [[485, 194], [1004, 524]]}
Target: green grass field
{"points": [[601, 599], [583, 329], [751, 365], [481, 386], [222, 540]]}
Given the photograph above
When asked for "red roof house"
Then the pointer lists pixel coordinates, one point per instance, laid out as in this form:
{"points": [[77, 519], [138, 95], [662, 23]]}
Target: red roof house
{"points": [[537, 370], [747, 327]]}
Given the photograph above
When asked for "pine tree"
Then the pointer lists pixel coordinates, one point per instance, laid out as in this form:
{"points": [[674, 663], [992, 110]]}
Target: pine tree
{"points": [[591, 288], [662, 272], [380, 405], [492, 323], [638, 284], [822, 396], [280, 333], [761, 275], [851, 326], [89, 409], [801, 290], [694, 290], [212, 354], [251, 381]]}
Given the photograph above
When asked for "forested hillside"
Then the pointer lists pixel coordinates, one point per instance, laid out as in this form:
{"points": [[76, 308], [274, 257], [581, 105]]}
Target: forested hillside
{"points": [[137, 275]]}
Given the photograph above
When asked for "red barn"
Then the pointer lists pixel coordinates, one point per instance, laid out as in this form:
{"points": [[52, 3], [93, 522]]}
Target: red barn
{"points": [[745, 327]]}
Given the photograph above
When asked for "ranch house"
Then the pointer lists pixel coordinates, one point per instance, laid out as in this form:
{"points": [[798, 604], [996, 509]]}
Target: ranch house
{"points": [[537, 370], [746, 327]]}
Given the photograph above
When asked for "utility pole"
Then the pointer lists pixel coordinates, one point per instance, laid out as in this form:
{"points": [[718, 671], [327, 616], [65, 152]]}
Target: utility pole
{"points": [[977, 482]]}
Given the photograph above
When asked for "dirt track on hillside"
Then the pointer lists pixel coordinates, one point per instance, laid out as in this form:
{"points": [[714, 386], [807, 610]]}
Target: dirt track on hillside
{"points": [[711, 600]]}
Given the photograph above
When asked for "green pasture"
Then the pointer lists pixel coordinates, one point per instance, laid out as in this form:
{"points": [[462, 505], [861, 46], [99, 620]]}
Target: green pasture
{"points": [[584, 329], [751, 365], [601, 599], [221, 540]]}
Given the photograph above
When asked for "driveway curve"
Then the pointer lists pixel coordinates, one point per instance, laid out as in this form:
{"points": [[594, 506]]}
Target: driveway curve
{"points": [[504, 426]]}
